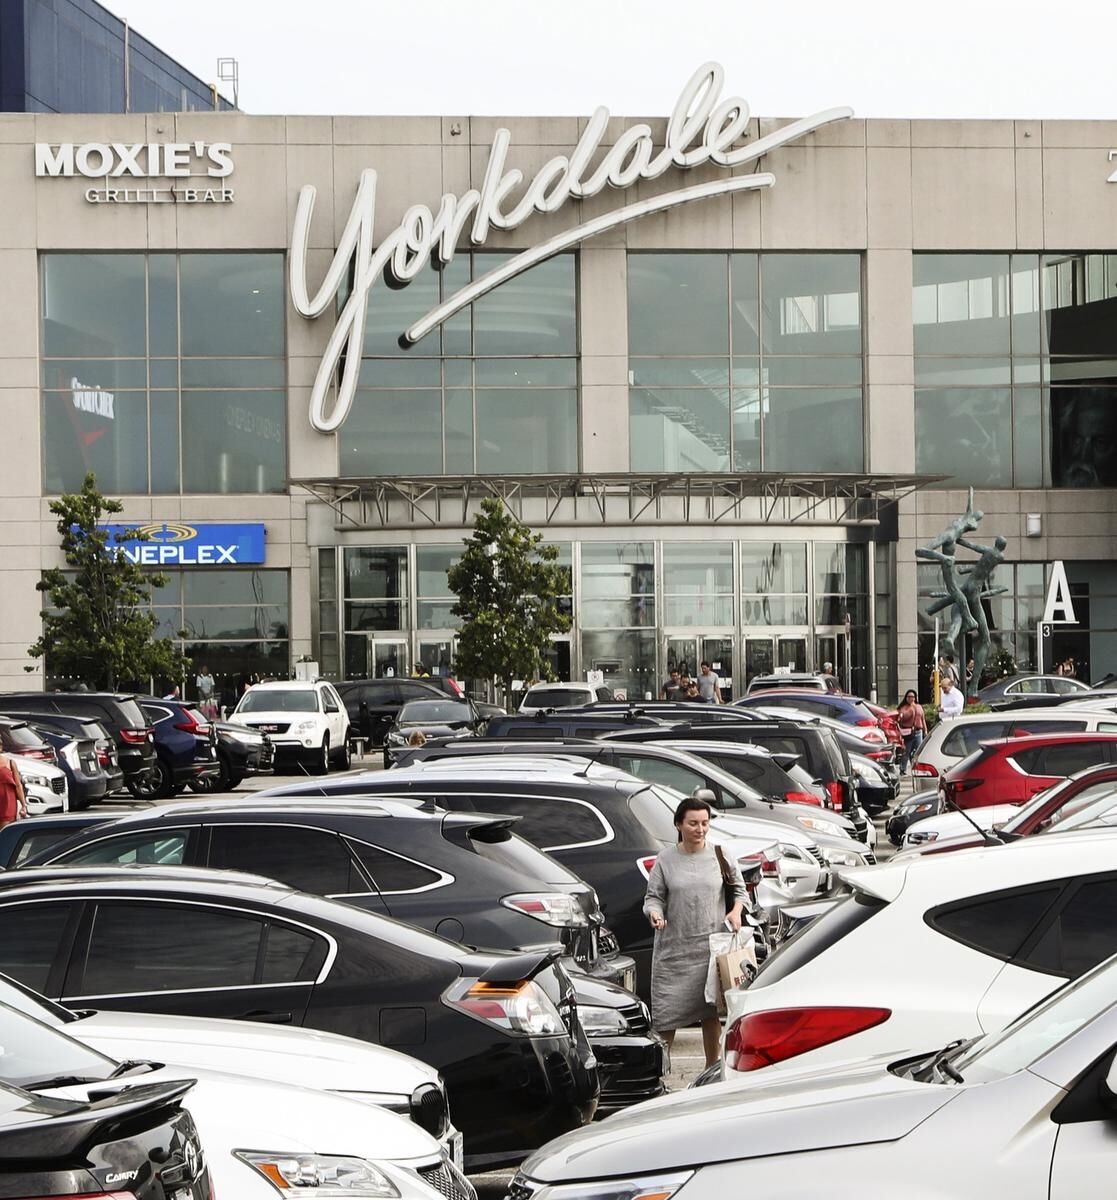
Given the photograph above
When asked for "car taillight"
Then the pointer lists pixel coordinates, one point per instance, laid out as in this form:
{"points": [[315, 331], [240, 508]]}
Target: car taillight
{"points": [[964, 785], [834, 791], [552, 908], [767, 860], [867, 721], [646, 864], [197, 728], [761, 1039], [522, 1008], [137, 736], [874, 736], [925, 769], [803, 798], [880, 755]]}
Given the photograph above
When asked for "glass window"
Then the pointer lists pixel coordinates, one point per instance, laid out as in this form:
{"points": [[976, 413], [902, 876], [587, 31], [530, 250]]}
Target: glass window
{"points": [[162, 847], [811, 303], [961, 303], [698, 583], [392, 433], [625, 657], [390, 873], [996, 924], [534, 313], [821, 427], [309, 860], [678, 304], [166, 948], [117, 399], [679, 429], [774, 567], [292, 956], [536, 429], [551, 823], [658, 770], [618, 584], [1071, 758], [30, 938]]}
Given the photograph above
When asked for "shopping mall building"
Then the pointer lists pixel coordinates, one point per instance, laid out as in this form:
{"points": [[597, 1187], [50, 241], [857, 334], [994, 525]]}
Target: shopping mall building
{"points": [[736, 370]]}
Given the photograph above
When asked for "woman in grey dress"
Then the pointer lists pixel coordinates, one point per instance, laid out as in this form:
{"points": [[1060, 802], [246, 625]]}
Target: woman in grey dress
{"points": [[685, 903]]}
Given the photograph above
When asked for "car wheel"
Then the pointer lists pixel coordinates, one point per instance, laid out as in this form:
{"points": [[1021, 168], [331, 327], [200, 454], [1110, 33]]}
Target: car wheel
{"points": [[162, 780], [322, 759], [387, 760], [142, 787], [204, 786], [344, 759]]}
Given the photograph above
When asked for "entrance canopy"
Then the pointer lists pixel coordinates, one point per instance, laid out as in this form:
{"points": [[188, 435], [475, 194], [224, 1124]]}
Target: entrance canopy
{"points": [[778, 498]]}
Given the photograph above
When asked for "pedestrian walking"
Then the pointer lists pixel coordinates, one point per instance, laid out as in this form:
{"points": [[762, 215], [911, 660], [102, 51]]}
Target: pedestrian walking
{"points": [[673, 688], [709, 685], [206, 685], [13, 799], [951, 701], [685, 902], [912, 725]]}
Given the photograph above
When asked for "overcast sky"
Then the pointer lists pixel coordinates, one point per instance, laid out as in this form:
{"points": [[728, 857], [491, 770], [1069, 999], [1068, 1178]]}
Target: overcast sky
{"points": [[886, 58]]}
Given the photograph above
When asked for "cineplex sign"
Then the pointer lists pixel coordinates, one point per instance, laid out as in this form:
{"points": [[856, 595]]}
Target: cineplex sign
{"points": [[702, 128], [180, 172]]}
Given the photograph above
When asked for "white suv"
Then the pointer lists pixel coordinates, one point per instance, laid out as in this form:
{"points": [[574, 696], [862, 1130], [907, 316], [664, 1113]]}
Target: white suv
{"points": [[300, 717]]}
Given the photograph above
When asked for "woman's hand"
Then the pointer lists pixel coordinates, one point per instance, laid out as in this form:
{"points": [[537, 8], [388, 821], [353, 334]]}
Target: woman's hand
{"points": [[733, 918], [658, 920]]}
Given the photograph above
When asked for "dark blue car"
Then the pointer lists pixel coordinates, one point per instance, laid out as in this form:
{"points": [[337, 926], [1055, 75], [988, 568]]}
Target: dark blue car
{"points": [[185, 746], [848, 709]]}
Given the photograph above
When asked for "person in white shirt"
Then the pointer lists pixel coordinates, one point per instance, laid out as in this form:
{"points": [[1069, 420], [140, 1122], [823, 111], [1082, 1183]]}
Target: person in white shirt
{"points": [[951, 700]]}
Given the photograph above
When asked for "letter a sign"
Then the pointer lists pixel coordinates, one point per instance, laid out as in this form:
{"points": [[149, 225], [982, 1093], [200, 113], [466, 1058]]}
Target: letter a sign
{"points": [[1059, 609]]}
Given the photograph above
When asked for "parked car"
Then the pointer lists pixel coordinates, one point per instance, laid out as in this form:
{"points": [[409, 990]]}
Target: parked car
{"points": [[1007, 823], [869, 741], [77, 1147], [309, 1135], [850, 710], [926, 949], [373, 703], [817, 750], [589, 817], [927, 802], [951, 741], [1012, 770], [541, 697], [81, 729], [22, 840], [86, 780], [800, 680], [1015, 688], [185, 746], [1027, 1113], [877, 783], [323, 1061], [118, 712], [305, 720], [17, 737], [503, 1030], [564, 723], [419, 720], [241, 752], [44, 785]]}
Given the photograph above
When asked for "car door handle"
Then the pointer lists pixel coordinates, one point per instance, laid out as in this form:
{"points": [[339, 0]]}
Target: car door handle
{"points": [[267, 1016]]}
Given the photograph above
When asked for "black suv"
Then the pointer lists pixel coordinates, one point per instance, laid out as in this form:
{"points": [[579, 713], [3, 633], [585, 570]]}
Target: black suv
{"points": [[118, 712], [599, 822], [502, 1029], [372, 704], [467, 877]]}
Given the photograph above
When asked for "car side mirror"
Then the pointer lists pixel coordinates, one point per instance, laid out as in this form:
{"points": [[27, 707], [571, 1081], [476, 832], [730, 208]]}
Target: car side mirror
{"points": [[705, 795]]}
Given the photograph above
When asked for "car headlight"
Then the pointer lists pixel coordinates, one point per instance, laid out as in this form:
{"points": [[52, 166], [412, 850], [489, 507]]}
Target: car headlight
{"points": [[319, 1174], [601, 1022], [843, 858], [650, 1187], [306, 726], [35, 780], [925, 806], [816, 825], [918, 837]]}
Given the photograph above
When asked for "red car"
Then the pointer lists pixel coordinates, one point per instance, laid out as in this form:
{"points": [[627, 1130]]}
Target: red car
{"points": [[1013, 770], [1083, 788]]}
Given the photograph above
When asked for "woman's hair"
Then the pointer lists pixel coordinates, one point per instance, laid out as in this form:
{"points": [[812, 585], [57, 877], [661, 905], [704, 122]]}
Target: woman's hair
{"points": [[912, 693], [690, 804]]}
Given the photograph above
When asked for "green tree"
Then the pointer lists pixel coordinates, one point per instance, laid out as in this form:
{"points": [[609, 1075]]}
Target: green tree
{"points": [[508, 588], [100, 627]]}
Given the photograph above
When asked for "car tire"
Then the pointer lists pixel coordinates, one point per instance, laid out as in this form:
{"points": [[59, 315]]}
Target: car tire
{"points": [[142, 787], [162, 779], [344, 758], [387, 760], [322, 758]]}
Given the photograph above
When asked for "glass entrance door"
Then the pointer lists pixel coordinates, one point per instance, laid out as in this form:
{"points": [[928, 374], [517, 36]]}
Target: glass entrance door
{"points": [[760, 657], [436, 656], [791, 652], [686, 653], [387, 658]]}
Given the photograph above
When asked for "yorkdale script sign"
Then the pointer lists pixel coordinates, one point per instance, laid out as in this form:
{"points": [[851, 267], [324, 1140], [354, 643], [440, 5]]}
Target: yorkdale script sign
{"points": [[701, 129]]}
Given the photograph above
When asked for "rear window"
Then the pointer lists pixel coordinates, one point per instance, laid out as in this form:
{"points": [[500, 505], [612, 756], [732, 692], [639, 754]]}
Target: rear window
{"points": [[839, 760], [21, 737], [1023, 727], [996, 924], [555, 697], [965, 739], [503, 847], [131, 714], [817, 937]]}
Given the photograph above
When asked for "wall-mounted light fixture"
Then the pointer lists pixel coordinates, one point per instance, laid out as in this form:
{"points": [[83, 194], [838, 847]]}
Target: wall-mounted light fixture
{"points": [[1033, 525]]}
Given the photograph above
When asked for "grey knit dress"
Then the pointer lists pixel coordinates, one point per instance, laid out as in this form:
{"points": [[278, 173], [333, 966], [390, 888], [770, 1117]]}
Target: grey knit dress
{"points": [[687, 890]]}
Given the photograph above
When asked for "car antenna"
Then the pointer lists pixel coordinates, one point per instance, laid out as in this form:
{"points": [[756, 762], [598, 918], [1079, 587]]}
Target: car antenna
{"points": [[584, 772], [987, 838]]}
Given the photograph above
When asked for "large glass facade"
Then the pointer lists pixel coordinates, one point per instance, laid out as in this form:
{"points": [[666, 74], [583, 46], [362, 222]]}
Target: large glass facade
{"points": [[745, 362], [1016, 369], [495, 389], [164, 373]]}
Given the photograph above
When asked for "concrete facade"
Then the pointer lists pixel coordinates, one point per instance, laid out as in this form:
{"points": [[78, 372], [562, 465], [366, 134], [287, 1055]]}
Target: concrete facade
{"points": [[882, 189]]}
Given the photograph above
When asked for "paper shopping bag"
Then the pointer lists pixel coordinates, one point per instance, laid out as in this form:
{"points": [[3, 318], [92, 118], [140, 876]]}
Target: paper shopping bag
{"points": [[736, 967]]}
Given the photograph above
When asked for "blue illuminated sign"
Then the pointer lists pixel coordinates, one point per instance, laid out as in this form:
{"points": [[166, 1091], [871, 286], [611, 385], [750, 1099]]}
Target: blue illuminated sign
{"points": [[174, 544]]}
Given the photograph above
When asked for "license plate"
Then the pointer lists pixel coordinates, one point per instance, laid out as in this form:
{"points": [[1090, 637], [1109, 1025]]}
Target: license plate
{"points": [[825, 881], [628, 979], [456, 1151]]}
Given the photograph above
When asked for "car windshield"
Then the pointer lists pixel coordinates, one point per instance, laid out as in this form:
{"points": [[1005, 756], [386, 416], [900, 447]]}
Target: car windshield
{"points": [[33, 1053], [556, 697], [434, 712], [279, 700], [1040, 1029]]}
